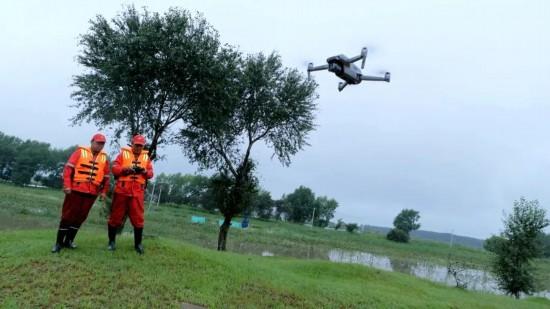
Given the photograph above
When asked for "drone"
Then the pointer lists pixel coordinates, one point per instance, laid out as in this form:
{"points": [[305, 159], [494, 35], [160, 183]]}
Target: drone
{"points": [[344, 68]]}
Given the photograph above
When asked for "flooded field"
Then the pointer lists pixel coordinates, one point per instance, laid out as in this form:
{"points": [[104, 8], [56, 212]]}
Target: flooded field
{"points": [[451, 275]]}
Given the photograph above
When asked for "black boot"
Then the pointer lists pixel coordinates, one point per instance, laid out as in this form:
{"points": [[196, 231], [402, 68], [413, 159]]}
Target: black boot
{"points": [[112, 237], [56, 248], [69, 239], [61, 233], [138, 235]]}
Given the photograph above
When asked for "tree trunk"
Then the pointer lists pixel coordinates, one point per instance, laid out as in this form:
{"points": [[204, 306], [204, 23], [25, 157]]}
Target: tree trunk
{"points": [[222, 236]]}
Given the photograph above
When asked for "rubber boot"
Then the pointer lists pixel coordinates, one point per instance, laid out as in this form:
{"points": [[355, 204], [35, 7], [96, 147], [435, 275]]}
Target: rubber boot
{"points": [[138, 235], [112, 237], [61, 233], [69, 238]]}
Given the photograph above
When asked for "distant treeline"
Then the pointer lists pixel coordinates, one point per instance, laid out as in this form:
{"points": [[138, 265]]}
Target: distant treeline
{"points": [[300, 206], [31, 162]]}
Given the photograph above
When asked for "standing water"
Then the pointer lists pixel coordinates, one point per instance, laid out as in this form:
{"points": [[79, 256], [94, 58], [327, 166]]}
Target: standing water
{"points": [[472, 279]]}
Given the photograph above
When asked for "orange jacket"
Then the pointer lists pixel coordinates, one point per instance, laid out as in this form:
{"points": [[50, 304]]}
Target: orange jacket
{"points": [[87, 173], [130, 183]]}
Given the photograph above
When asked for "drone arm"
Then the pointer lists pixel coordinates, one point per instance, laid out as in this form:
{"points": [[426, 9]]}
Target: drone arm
{"points": [[356, 58], [311, 68], [386, 78]]}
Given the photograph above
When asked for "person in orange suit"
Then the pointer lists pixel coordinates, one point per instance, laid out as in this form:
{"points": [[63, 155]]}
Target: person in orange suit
{"points": [[85, 176], [132, 168]]}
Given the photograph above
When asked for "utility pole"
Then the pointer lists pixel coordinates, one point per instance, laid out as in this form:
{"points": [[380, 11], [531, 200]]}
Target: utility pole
{"points": [[152, 192], [160, 193], [152, 195], [312, 216]]}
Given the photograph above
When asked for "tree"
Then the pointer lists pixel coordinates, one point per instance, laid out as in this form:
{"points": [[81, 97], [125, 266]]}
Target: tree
{"points": [[398, 235], [8, 154], [51, 172], [262, 205], [142, 70], [405, 222], [180, 189], [325, 210], [544, 240], [31, 157], [300, 205], [280, 208], [512, 262], [339, 224], [25, 161], [351, 227], [249, 100]]}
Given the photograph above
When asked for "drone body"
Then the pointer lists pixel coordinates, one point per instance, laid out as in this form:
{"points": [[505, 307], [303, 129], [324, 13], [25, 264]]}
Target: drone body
{"points": [[344, 68]]}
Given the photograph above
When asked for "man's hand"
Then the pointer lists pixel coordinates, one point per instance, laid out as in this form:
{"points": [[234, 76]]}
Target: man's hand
{"points": [[127, 171], [102, 196], [138, 169], [67, 190]]}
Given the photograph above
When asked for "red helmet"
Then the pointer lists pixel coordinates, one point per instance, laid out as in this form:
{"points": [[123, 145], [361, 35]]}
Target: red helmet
{"points": [[138, 140], [98, 138]]}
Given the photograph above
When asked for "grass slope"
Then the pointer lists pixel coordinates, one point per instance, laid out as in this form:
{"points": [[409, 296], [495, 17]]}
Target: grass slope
{"points": [[173, 272]]}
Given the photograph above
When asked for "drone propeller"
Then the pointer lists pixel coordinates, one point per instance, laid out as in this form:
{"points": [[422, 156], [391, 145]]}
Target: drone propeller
{"points": [[364, 52]]}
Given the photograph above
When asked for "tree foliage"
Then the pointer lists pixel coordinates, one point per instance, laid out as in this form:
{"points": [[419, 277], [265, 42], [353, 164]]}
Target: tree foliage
{"points": [[519, 245], [23, 162], [142, 71], [544, 241], [262, 205], [339, 224], [325, 211], [398, 235], [351, 227], [299, 205], [493, 244], [180, 189], [405, 222]]}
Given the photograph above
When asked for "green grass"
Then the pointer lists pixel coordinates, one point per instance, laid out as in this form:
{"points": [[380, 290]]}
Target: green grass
{"points": [[168, 263], [173, 272], [40, 208]]}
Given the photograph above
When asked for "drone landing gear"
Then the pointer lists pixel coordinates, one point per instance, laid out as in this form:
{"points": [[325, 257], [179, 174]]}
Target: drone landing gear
{"points": [[342, 85]]}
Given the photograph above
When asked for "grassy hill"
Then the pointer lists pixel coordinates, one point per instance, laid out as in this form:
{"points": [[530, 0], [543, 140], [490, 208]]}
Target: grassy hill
{"points": [[172, 273], [179, 266]]}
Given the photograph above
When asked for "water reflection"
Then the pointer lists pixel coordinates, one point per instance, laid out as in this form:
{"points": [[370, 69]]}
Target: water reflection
{"points": [[473, 279]]}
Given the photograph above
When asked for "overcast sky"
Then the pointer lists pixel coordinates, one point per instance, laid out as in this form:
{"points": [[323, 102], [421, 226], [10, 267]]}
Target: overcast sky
{"points": [[460, 133]]}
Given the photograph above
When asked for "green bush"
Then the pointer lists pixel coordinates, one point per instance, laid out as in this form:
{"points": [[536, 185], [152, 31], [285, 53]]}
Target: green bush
{"points": [[398, 235]]}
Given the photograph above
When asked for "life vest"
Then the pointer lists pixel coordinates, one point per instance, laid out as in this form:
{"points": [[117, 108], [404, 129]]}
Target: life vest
{"points": [[129, 161], [88, 168]]}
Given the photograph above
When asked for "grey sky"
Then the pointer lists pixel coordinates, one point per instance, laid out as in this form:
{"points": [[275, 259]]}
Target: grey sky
{"points": [[459, 133]]}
